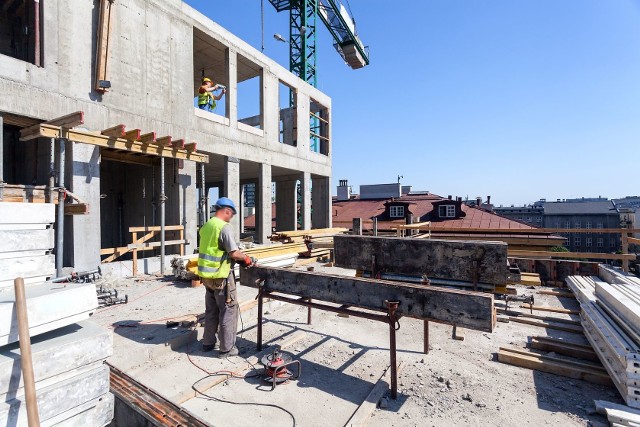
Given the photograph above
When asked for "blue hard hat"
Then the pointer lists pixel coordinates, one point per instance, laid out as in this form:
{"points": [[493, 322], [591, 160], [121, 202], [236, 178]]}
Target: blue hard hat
{"points": [[225, 202]]}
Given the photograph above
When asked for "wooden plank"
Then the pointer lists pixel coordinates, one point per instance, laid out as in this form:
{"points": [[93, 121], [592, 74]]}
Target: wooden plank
{"points": [[557, 293], [578, 351], [163, 141], [68, 121], [156, 228], [535, 316], [86, 137], [155, 244], [27, 213], [633, 240], [443, 259], [363, 414], [551, 309], [148, 138], [191, 147], [76, 209], [102, 45], [132, 135], [548, 325], [26, 240], [473, 310], [572, 255], [116, 131], [553, 365], [127, 157]]}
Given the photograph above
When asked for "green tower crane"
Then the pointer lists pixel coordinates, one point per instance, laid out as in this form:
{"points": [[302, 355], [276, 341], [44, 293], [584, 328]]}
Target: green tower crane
{"points": [[303, 15]]}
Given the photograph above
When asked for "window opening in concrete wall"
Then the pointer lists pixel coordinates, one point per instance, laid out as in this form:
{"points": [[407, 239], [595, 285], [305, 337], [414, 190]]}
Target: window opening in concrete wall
{"points": [[250, 93], [287, 123], [21, 30], [319, 128], [25, 163], [209, 63]]}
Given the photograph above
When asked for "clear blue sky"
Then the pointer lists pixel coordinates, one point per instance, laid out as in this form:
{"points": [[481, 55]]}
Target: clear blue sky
{"points": [[514, 99]]}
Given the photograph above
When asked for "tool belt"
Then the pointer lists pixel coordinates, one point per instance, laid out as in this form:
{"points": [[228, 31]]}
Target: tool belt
{"points": [[214, 284]]}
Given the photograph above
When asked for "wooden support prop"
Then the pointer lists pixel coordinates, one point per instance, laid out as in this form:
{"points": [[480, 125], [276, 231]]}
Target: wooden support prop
{"points": [[25, 353], [468, 309], [163, 140], [441, 259], [102, 44], [191, 147], [132, 135], [116, 131], [148, 138], [76, 209], [558, 346], [566, 368], [178, 144]]}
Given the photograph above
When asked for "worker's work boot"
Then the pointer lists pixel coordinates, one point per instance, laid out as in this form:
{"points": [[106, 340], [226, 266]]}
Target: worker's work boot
{"points": [[210, 347], [233, 352]]}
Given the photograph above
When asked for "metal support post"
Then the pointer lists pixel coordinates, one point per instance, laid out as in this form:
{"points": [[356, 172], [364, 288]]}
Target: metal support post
{"points": [[392, 306], [162, 216], [60, 219], [203, 197], [259, 338], [52, 168], [426, 337], [309, 312]]}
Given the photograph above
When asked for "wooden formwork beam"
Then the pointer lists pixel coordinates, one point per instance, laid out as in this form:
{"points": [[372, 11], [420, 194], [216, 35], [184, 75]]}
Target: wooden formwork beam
{"points": [[469, 261], [468, 309]]}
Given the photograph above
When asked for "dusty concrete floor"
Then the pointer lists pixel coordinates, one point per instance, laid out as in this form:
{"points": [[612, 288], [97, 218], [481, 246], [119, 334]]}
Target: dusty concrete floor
{"points": [[457, 383]]}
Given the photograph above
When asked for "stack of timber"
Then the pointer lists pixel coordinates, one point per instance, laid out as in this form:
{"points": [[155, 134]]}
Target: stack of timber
{"points": [[68, 351], [610, 312], [298, 236], [26, 242]]}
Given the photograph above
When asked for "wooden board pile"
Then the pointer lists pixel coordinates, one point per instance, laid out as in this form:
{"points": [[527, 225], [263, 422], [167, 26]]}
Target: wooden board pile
{"points": [[26, 242], [610, 311], [299, 236]]}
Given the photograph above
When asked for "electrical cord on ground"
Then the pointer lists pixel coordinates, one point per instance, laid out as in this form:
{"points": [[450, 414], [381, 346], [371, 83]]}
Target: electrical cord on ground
{"points": [[217, 399]]}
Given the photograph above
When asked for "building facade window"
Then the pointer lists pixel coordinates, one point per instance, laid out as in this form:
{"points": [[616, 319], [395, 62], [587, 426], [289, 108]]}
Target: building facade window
{"points": [[587, 242], [529, 219], [396, 211], [577, 241], [588, 225], [599, 225], [539, 220], [600, 242], [577, 224], [447, 211], [567, 224]]}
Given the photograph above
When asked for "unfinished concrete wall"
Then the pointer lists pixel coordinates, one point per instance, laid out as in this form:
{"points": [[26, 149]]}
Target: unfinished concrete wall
{"points": [[151, 70]]}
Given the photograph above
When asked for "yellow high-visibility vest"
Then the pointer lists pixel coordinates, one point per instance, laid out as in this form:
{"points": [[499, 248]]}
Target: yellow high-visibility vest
{"points": [[213, 261]]}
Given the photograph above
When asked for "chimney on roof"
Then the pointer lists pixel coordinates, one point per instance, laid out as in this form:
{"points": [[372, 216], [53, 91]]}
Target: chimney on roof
{"points": [[478, 201], [344, 190], [488, 200], [458, 199], [449, 197]]}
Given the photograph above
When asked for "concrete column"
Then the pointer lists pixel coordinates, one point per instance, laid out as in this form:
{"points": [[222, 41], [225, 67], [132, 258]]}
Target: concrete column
{"points": [[263, 204], [321, 202], [375, 225], [286, 206], [270, 107], [241, 209], [356, 229], [232, 189], [305, 203], [232, 90], [82, 239], [302, 119]]}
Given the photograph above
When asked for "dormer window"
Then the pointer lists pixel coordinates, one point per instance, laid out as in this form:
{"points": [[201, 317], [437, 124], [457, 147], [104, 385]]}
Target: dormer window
{"points": [[396, 211], [447, 211]]}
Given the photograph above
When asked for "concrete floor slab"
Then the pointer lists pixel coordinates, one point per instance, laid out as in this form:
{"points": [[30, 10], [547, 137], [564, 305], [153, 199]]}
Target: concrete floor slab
{"points": [[49, 306], [55, 352]]}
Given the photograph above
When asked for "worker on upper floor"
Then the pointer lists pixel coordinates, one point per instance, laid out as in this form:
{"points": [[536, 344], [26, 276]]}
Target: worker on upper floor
{"points": [[206, 98], [218, 252]]}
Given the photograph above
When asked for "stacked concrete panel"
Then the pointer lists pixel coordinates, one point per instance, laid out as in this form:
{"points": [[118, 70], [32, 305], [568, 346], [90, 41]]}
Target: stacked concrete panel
{"points": [[609, 312], [68, 351], [26, 242]]}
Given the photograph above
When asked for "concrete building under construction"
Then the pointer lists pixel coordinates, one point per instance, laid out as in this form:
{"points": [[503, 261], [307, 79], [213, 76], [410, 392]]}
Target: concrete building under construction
{"points": [[133, 69]]}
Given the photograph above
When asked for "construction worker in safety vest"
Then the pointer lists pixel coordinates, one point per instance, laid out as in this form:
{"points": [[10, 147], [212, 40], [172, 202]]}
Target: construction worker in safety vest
{"points": [[218, 253], [206, 99]]}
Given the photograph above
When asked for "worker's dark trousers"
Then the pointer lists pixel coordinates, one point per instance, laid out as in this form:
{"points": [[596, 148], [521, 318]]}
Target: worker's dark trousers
{"points": [[220, 314]]}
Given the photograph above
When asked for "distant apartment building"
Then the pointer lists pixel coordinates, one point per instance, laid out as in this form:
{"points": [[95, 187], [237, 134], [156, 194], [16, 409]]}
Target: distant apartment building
{"points": [[585, 213]]}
